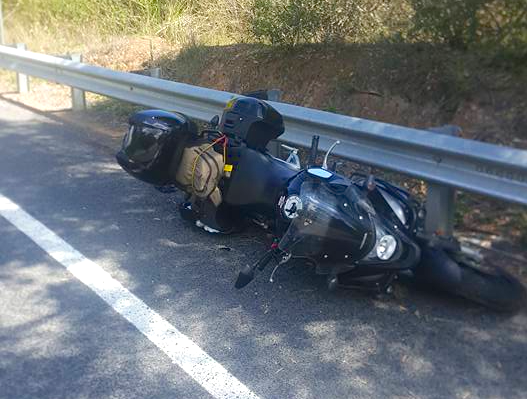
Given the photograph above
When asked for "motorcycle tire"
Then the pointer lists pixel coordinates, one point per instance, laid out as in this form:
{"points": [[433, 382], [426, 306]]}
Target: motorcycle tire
{"points": [[485, 284], [497, 289]]}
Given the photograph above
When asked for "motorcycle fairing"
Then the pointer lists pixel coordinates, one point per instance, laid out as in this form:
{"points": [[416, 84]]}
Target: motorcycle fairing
{"points": [[331, 226], [380, 197], [338, 228]]}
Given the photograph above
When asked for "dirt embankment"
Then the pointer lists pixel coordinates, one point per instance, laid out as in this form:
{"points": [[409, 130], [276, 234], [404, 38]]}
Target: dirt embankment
{"points": [[415, 85], [418, 85]]}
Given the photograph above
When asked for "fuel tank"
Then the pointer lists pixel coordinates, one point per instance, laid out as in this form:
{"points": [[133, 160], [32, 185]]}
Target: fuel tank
{"points": [[257, 180]]}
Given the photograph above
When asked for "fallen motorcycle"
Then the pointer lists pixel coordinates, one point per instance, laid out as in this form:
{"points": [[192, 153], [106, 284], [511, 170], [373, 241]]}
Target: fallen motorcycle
{"points": [[361, 232]]}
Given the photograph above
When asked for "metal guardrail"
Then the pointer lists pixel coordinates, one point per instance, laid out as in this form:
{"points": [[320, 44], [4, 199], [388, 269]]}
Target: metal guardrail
{"points": [[442, 160]]}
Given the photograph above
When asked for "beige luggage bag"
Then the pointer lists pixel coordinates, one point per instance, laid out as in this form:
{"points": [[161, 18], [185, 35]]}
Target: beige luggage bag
{"points": [[200, 171]]}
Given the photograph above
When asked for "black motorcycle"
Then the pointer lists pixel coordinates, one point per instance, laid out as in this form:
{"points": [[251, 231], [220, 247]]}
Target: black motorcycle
{"points": [[361, 232]]}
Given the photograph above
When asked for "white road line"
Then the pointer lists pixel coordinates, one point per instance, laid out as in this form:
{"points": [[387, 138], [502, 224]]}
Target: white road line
{"points": [[178, 347]]}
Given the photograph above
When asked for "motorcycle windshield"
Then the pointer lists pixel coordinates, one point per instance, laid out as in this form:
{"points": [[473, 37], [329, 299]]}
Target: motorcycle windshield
{"points": [[332, 225]]}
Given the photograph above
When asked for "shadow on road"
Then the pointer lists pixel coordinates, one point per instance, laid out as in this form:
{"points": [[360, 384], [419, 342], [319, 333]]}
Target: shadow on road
{"points": [[289, 339]]}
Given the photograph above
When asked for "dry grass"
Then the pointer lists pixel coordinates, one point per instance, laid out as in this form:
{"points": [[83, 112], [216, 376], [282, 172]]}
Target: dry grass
{"points": [[55, 25]]}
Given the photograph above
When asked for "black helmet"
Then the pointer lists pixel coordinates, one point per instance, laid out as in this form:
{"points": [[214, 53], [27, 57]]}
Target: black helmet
{"points": [[251, 120], [153, 146]]}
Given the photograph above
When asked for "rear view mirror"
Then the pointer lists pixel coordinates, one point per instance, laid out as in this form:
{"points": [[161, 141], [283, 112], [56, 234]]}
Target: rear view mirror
{"points": [[214, 121]]}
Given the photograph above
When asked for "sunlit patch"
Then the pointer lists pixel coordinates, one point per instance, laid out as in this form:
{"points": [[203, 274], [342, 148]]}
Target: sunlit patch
{"points": [[86, 169]]}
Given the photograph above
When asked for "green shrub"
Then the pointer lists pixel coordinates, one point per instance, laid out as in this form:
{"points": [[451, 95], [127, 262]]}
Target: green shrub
{"points": [[290, 22], [498, 27]]}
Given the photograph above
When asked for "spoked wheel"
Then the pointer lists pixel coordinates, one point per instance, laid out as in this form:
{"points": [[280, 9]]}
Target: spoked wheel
{"points": [[489, 285], [475, 279]]}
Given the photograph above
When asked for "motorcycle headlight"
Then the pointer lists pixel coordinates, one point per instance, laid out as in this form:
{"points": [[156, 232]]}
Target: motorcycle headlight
{"points": [[386, 247]]}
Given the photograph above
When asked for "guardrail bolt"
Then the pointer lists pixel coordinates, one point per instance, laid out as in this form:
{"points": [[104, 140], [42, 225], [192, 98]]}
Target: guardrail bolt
{"points": [[78, 96], [22, 80]]}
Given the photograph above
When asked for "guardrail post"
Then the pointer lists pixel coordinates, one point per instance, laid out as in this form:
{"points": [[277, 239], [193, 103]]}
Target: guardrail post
{"points": [[440, 199], [2, 38], [78, 96], [22, 80], [155, 72], [440, 207], [274, 95], [274, 145]]}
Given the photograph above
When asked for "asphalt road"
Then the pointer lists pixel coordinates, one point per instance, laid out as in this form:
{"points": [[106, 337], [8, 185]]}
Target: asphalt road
{"points": [[289, 339]]}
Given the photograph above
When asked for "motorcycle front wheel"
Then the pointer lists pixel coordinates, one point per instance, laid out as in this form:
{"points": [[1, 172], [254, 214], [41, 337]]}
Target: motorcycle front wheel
{"points": [[476, 280], [491, 286]]}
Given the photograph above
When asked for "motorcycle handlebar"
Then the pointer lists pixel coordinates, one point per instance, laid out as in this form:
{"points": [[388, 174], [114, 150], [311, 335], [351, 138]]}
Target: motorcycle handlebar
{"points": [[314, 150]]}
